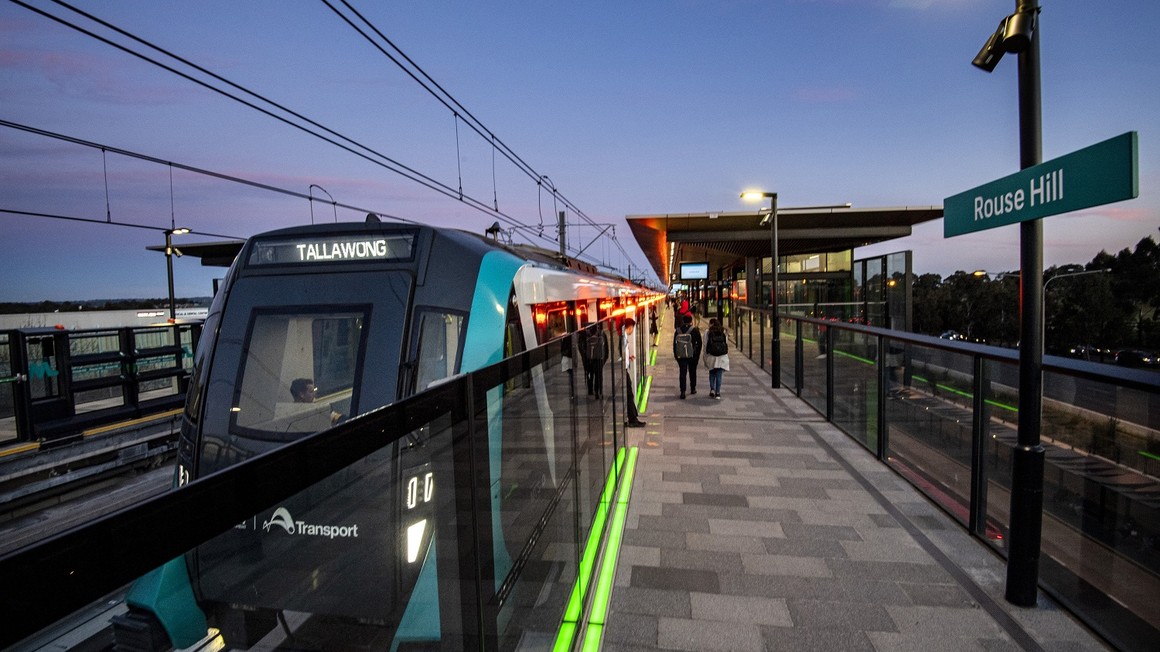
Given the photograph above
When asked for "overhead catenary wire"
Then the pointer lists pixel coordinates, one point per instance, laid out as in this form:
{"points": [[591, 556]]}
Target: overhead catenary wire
{"points": [[188, 168], [368, 153], [294, 119], [453, 105]]}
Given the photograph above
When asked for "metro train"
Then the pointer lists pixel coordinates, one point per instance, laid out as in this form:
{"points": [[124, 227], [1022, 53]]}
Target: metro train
{"points": [[312, 325]]}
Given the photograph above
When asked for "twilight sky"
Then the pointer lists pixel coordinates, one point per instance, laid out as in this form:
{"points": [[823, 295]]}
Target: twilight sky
{"points": [[645, 106]]}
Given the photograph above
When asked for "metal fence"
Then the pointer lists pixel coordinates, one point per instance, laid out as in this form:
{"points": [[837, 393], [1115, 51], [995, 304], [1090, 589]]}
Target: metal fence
{"points": [[59, 382]]}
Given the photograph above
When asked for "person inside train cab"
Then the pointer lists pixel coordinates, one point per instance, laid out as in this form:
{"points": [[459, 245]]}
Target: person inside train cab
{"points": [[304, 391]]}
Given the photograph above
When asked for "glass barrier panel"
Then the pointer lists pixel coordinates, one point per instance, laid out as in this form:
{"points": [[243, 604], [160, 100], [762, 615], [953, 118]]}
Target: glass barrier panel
{"points": [[929, 416], [98, 399], [368, 557], [88, 343], [594, 418], [814, 366], [1101, 517], [152, 338], [856, 385], [786, 346], [533, 502], [187, 347]]}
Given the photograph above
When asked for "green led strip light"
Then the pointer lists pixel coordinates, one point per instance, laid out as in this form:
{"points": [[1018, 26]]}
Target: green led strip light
{"points": [[571, 620], [642, 403], [652, 358], [946, 388], [603, 595], [959, 392]]}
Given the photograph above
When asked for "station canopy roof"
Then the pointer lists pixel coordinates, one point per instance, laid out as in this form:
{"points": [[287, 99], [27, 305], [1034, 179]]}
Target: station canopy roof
{"points": [[723, 238], [212, 254]]}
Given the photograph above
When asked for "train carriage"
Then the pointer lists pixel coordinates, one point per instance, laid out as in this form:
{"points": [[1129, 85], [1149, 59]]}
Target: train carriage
{"points": [[313, 325]]}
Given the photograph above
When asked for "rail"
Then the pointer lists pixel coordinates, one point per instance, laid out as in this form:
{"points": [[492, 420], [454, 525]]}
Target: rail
{"points": [[943, 415], [506, 565]]}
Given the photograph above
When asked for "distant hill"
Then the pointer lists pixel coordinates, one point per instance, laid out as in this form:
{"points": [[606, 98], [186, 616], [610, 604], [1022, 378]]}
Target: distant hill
{"points": [[14, 308]]}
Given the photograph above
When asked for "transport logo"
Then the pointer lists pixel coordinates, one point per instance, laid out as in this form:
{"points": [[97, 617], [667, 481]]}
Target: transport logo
{"points": [[281, 518]]}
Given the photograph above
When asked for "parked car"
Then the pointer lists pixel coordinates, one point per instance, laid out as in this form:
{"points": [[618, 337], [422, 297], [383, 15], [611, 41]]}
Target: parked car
{"points": [[1135, 358]]}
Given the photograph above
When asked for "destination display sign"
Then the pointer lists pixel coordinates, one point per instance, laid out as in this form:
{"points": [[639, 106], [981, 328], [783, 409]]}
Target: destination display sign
{"points": [[331, 249], [1103, 173]]}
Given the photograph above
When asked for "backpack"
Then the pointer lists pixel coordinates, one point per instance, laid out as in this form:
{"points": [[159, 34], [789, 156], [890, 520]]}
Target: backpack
{"points": [[597, 347], [717, 343], [683, 344]]}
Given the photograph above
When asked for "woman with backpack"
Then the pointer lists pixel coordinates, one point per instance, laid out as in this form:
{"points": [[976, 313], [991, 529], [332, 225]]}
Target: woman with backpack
{"points": [[716, 356]]}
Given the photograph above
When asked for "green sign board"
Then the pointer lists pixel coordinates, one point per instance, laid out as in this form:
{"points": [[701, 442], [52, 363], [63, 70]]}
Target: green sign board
{"points": [[1100, 174]]}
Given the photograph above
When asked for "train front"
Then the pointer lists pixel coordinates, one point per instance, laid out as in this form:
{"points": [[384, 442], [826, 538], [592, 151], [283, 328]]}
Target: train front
{"points": [[307, 331]]}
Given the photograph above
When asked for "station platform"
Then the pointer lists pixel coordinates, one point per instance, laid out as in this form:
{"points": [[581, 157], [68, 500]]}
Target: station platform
{"points": [[756, 525]]}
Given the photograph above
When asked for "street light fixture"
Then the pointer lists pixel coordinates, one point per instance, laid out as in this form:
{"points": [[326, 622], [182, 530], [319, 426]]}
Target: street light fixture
{"points": [[170, 250], [757, 195], [1067, 274]]}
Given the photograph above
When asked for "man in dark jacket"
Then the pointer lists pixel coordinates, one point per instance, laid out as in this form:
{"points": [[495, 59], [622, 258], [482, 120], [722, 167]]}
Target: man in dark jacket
{"points": [[687, 351]]}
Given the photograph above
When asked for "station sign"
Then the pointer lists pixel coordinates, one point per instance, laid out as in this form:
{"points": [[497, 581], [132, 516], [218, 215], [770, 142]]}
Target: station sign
{"points": [[1103, 173]]}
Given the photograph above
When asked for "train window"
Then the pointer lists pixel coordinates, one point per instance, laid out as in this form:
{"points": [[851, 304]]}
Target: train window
{"points": [[438, 347], [299, 371]]}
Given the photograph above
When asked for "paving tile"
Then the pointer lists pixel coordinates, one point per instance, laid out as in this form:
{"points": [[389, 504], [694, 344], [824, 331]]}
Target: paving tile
{"points": [[652, 602], [803, 547], [820, 614], [724, 543], [639, 630], [718, 500], [704, 635], [785, 565], [781, 586], [740, 609], [638, 556], [717, 562], [679, 579], [874, 591], [745, 528], [674, 524], [793, 639], [653, 538]]}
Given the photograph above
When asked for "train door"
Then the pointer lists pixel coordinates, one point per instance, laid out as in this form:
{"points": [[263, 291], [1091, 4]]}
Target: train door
{"points": [[47, 395]]}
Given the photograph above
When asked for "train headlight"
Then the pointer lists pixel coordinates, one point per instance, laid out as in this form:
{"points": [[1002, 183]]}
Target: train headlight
{"points": [[415, 540]]}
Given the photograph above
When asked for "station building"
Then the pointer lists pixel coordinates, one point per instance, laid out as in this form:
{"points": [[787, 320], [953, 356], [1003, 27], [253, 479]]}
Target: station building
{"points": [[723, 259]]}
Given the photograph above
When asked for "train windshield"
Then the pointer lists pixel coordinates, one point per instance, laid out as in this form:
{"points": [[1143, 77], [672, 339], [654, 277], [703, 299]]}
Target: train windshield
{"points": [[298, 372]]}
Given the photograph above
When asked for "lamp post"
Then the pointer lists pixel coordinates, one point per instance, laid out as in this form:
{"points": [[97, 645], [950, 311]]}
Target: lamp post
{"points": [[776, 337], [169, 249], [1017, 33]]}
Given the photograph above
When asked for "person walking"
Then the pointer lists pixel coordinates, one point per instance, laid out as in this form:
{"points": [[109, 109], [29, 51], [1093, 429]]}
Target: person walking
{"points": [[628, 349], [687, 350], [716, 356]]}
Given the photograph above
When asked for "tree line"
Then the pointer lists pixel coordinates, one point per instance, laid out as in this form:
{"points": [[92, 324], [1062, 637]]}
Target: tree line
{"points": [[20, 308], [1113, 310]]}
